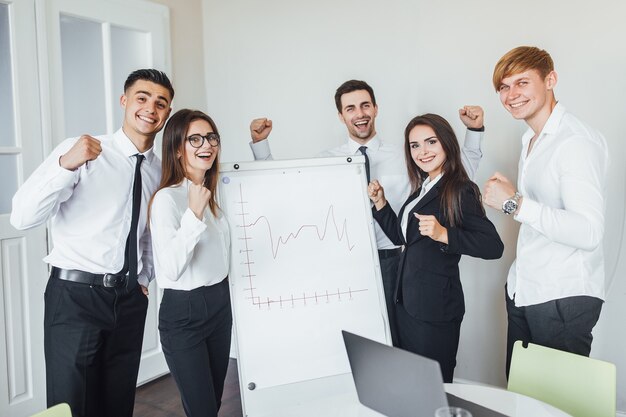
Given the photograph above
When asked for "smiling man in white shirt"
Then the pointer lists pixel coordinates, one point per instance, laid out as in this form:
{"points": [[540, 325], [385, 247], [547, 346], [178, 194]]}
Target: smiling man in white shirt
{"points": [[357, 110], [555, 287], [95, 191]]}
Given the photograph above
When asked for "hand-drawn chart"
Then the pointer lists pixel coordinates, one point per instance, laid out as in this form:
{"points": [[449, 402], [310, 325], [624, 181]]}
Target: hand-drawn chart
{"points": [[303, 267], [329, 229]]}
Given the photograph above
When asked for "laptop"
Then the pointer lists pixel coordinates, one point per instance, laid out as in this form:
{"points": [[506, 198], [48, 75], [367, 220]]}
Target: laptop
{"points": [[398, 383]]}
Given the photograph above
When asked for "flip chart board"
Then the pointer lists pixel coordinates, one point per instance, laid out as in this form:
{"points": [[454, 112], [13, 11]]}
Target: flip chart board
{"points": [[304, 266]]}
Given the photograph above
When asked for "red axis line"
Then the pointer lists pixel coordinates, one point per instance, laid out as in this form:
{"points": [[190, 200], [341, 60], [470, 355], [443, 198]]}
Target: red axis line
{"points": [[268, 302], [341, 233], [247, 250]]}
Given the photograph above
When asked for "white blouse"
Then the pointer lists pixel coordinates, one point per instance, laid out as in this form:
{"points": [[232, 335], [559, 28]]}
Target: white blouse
{"points": [[188, 253], [426, 187]]}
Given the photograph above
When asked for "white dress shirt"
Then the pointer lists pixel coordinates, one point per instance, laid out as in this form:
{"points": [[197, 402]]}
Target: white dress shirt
{"points": [[188, 253], [426, 187], [90, 208], [559, 247], [388, 166]]}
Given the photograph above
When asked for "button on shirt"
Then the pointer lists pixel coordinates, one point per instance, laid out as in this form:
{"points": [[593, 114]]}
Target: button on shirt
{"points": [[189, 253], [559, 247], [90, 208], [388, 166]]}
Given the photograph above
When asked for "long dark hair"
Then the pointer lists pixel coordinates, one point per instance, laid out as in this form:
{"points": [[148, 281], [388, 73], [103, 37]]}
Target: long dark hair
{"points": [[174, 138], [455, 177]]}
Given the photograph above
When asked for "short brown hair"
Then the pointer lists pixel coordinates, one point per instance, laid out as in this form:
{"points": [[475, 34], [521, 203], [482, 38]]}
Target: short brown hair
{"points": [[350, 86], [520, 59]]}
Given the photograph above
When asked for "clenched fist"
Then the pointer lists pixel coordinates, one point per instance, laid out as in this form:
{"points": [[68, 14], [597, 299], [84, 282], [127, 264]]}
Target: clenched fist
{"points": [[86, 148], [260, 129], [198, 197], [376, 193], [430, 226], [472, 116]]}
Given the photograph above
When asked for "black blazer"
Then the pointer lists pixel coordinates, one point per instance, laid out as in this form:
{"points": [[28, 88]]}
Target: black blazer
{"points": [[428, 282]]}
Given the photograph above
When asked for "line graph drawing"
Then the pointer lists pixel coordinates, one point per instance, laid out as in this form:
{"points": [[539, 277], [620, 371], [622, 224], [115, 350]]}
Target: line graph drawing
{"points": [[341, 233], [326, 296]]}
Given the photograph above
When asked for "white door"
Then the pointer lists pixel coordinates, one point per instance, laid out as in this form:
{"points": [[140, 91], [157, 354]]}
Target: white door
{"points": [[23, 275], [88, 48]]}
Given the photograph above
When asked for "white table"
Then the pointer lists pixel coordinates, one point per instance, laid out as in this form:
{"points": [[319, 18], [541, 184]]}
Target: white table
{"points": [[503, 401], [500, 400]]}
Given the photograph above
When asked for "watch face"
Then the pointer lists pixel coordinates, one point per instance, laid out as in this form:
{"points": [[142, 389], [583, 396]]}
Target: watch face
{"points": [[509, 206]]}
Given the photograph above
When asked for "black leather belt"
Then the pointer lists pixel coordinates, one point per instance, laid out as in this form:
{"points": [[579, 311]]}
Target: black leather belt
{"points": [[101, 280], [388, 253]]}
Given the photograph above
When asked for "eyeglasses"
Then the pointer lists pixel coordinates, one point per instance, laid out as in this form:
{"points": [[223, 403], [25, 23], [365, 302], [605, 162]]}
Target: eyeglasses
{"points": [[198, 140]]}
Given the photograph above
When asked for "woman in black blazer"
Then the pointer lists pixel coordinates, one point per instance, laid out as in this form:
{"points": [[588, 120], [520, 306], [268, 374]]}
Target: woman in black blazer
{"points": [[442, 219]]}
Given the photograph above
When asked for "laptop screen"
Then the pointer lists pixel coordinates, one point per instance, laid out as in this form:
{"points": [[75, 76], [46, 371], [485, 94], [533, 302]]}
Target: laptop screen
{"points": [[398, 383], [392, 381]]}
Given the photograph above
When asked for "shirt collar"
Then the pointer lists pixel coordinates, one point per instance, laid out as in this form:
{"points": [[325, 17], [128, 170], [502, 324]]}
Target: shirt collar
{"points": [[128, 148], [552, 124], [372, 145], [428, 184]]}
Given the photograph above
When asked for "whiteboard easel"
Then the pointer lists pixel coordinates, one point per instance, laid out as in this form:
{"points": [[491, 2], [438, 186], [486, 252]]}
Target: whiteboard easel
{"points": [[304, 266]]}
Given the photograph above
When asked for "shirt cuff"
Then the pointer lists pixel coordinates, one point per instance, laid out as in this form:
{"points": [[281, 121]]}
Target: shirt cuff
{"points": [[453, 241], [261, 150], [192, 226], [528, 212], [377, 214], [60, 177], [473, 139], [143, 280]]}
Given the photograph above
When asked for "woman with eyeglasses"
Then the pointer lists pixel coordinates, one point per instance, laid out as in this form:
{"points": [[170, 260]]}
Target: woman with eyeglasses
{"points": [[191, 246]]}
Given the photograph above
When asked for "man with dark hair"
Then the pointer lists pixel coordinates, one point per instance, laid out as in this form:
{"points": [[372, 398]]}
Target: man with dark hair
{"points": [[95, 191], [350, 86], [357, 109], [555, 287], [157, 77]]}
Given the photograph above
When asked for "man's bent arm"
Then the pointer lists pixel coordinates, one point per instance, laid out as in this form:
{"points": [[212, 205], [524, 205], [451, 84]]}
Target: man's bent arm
{"points": [[38, 199], [471, 154]]}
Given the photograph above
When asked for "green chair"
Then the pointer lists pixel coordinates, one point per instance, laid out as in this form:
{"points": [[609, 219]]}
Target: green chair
{"points": [[59, 410], [580, 386]]}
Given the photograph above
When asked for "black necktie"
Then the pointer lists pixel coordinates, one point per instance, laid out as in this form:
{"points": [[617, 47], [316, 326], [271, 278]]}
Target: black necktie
{"points": [[363, 150], [130, 256]]}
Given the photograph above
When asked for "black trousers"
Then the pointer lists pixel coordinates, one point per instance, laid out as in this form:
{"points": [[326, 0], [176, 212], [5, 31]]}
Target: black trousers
{"points": [[92, 344], [389, 272], [563, 324], [195, 329], [434, 340]]}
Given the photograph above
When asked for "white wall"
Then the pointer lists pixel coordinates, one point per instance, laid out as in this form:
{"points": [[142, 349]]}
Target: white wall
{"points": [[285, 59], [187, 53]]}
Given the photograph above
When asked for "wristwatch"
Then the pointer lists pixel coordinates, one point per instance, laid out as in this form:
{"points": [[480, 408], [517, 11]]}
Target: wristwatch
{"points": [[510, 205]]}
